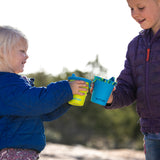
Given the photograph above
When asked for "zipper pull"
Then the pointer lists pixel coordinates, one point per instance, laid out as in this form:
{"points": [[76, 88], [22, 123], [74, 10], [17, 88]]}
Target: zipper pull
{"points": [[148, 53]]}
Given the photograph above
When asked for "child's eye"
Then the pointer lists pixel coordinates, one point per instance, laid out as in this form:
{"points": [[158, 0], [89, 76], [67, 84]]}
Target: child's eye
{"points": [[23, 51], [141, 8]]}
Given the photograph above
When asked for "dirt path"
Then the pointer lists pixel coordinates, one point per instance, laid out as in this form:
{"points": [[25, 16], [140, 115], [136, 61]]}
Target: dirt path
{"points": [[64, 152]]}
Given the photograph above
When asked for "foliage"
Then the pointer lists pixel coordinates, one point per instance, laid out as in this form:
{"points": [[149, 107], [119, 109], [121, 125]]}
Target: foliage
{"points": [[96, 68], [92, 125]]}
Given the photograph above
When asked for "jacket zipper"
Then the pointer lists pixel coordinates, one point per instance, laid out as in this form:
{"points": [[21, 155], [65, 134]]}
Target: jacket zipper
{"points": [[148, 54], [147, 79]]}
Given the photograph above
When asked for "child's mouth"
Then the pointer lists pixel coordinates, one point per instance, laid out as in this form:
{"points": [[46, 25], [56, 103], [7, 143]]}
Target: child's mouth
{"points": [[141, 21]]}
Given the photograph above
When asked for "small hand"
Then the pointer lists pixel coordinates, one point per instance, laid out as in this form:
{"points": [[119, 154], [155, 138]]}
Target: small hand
{"points": [[111, 96], [91, 89], [77, 86]]}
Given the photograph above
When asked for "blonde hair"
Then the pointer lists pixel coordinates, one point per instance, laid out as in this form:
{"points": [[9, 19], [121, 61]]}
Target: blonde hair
{"points": [[9, 37]]}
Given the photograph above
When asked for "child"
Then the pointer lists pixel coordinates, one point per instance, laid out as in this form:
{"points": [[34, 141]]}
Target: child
{"points": [[23, 107], [140, 78]]}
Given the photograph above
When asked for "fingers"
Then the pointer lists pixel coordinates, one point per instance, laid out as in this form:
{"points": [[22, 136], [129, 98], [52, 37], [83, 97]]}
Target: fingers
{"points": [[91, 89], [82, 87], [78, 87], [80, 93], [81, 83]]}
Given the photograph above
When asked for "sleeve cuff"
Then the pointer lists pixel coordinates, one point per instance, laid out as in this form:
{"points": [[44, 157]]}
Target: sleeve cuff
{"points": [[108, 104]]}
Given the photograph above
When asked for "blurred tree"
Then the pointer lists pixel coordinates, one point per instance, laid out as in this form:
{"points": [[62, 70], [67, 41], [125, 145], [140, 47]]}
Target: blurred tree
{"points": [[95, 68], [92, 125], [41, 78]]}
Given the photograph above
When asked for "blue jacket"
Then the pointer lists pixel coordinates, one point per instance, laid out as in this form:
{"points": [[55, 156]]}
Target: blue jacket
{"points": [[23, 108], [140, 80]]}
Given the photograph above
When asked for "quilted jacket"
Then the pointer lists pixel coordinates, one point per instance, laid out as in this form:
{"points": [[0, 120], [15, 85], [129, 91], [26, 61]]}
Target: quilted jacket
{"points": [[140, 80]]}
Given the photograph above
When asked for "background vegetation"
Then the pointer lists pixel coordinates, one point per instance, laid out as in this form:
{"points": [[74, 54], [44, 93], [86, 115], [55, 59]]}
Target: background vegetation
{"points": [[92, 125]]}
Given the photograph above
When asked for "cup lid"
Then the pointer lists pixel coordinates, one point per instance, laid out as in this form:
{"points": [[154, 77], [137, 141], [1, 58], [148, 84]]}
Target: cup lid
{"points": [[111, 80], [74, 77]]}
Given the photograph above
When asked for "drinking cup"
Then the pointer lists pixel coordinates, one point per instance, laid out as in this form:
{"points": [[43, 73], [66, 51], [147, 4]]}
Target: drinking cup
{"points": [[79, 100], [102, 90]]}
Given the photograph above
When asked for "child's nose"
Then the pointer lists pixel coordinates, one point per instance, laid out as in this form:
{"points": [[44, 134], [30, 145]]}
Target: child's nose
{"points": [[135, 14], [26, 56]]}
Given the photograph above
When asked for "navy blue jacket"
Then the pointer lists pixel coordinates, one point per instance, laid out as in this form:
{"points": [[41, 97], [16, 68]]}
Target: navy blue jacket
{"points": [[140, 80], [23, 108]]}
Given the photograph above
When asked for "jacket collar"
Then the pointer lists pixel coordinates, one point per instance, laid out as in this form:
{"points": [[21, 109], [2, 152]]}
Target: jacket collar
{"points": [[148, 35]]}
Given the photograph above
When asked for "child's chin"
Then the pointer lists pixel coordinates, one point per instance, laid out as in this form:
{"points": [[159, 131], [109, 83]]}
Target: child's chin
{"points": [[20, 71]]}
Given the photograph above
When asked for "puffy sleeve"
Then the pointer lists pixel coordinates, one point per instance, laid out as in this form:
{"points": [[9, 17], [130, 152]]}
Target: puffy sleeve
{"points": [[125, 92], [21, 99], [56, 113]]}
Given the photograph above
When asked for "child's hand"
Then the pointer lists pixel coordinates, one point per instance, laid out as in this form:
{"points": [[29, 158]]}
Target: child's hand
{"points": [[77, 86], [91, 89], [111, 96]]}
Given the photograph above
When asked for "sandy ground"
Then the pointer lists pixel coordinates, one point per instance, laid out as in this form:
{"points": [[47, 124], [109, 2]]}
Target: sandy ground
{"points": [[64, 152]]}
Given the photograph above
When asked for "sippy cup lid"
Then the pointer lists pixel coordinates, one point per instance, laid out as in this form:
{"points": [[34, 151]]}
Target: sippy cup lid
{"points": [[74, 77], [110, 81]]}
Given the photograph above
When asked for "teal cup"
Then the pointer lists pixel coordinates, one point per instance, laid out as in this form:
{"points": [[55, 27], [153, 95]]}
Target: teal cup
{"points": [[102, 90]]}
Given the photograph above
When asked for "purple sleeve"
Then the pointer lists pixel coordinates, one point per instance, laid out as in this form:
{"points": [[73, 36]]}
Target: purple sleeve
{"points": [[125, 92]]}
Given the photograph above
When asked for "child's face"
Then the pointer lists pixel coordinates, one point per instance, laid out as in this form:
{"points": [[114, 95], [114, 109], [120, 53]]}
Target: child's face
{"points": [[146, 13], [14, 60]]}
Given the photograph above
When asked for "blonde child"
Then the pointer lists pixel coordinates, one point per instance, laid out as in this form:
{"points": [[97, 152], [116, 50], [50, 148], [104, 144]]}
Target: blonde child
{"points": [[23, 107]]}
